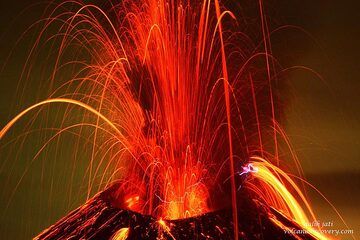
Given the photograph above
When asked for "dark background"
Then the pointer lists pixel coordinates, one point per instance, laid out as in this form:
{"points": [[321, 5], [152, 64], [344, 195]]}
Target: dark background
{"points": [[322, 115]]}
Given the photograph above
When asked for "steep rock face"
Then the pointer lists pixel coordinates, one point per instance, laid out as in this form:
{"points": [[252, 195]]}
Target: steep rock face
{"points": [[99, 219]]}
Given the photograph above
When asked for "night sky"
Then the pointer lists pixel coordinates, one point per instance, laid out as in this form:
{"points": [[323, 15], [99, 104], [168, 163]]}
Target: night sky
{"points": [[322, 116]]}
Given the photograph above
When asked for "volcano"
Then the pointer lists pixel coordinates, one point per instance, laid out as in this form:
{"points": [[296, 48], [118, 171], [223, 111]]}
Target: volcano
{"points": [[100, 219]]}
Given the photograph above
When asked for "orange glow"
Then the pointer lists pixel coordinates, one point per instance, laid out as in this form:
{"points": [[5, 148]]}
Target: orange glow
{"points": [[184, 196], [165, 227], [122, 234], [132, 201]]}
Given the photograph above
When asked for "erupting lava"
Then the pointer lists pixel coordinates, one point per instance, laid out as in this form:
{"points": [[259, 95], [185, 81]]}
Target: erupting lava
{"points": [[184, 101]]}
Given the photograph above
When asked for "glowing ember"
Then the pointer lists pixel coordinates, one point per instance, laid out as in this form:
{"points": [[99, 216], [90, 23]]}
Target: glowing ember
{"points": [[122, 234]]}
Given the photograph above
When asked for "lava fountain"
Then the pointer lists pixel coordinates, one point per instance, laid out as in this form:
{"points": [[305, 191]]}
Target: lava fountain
{"points": [[187, 106]]}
